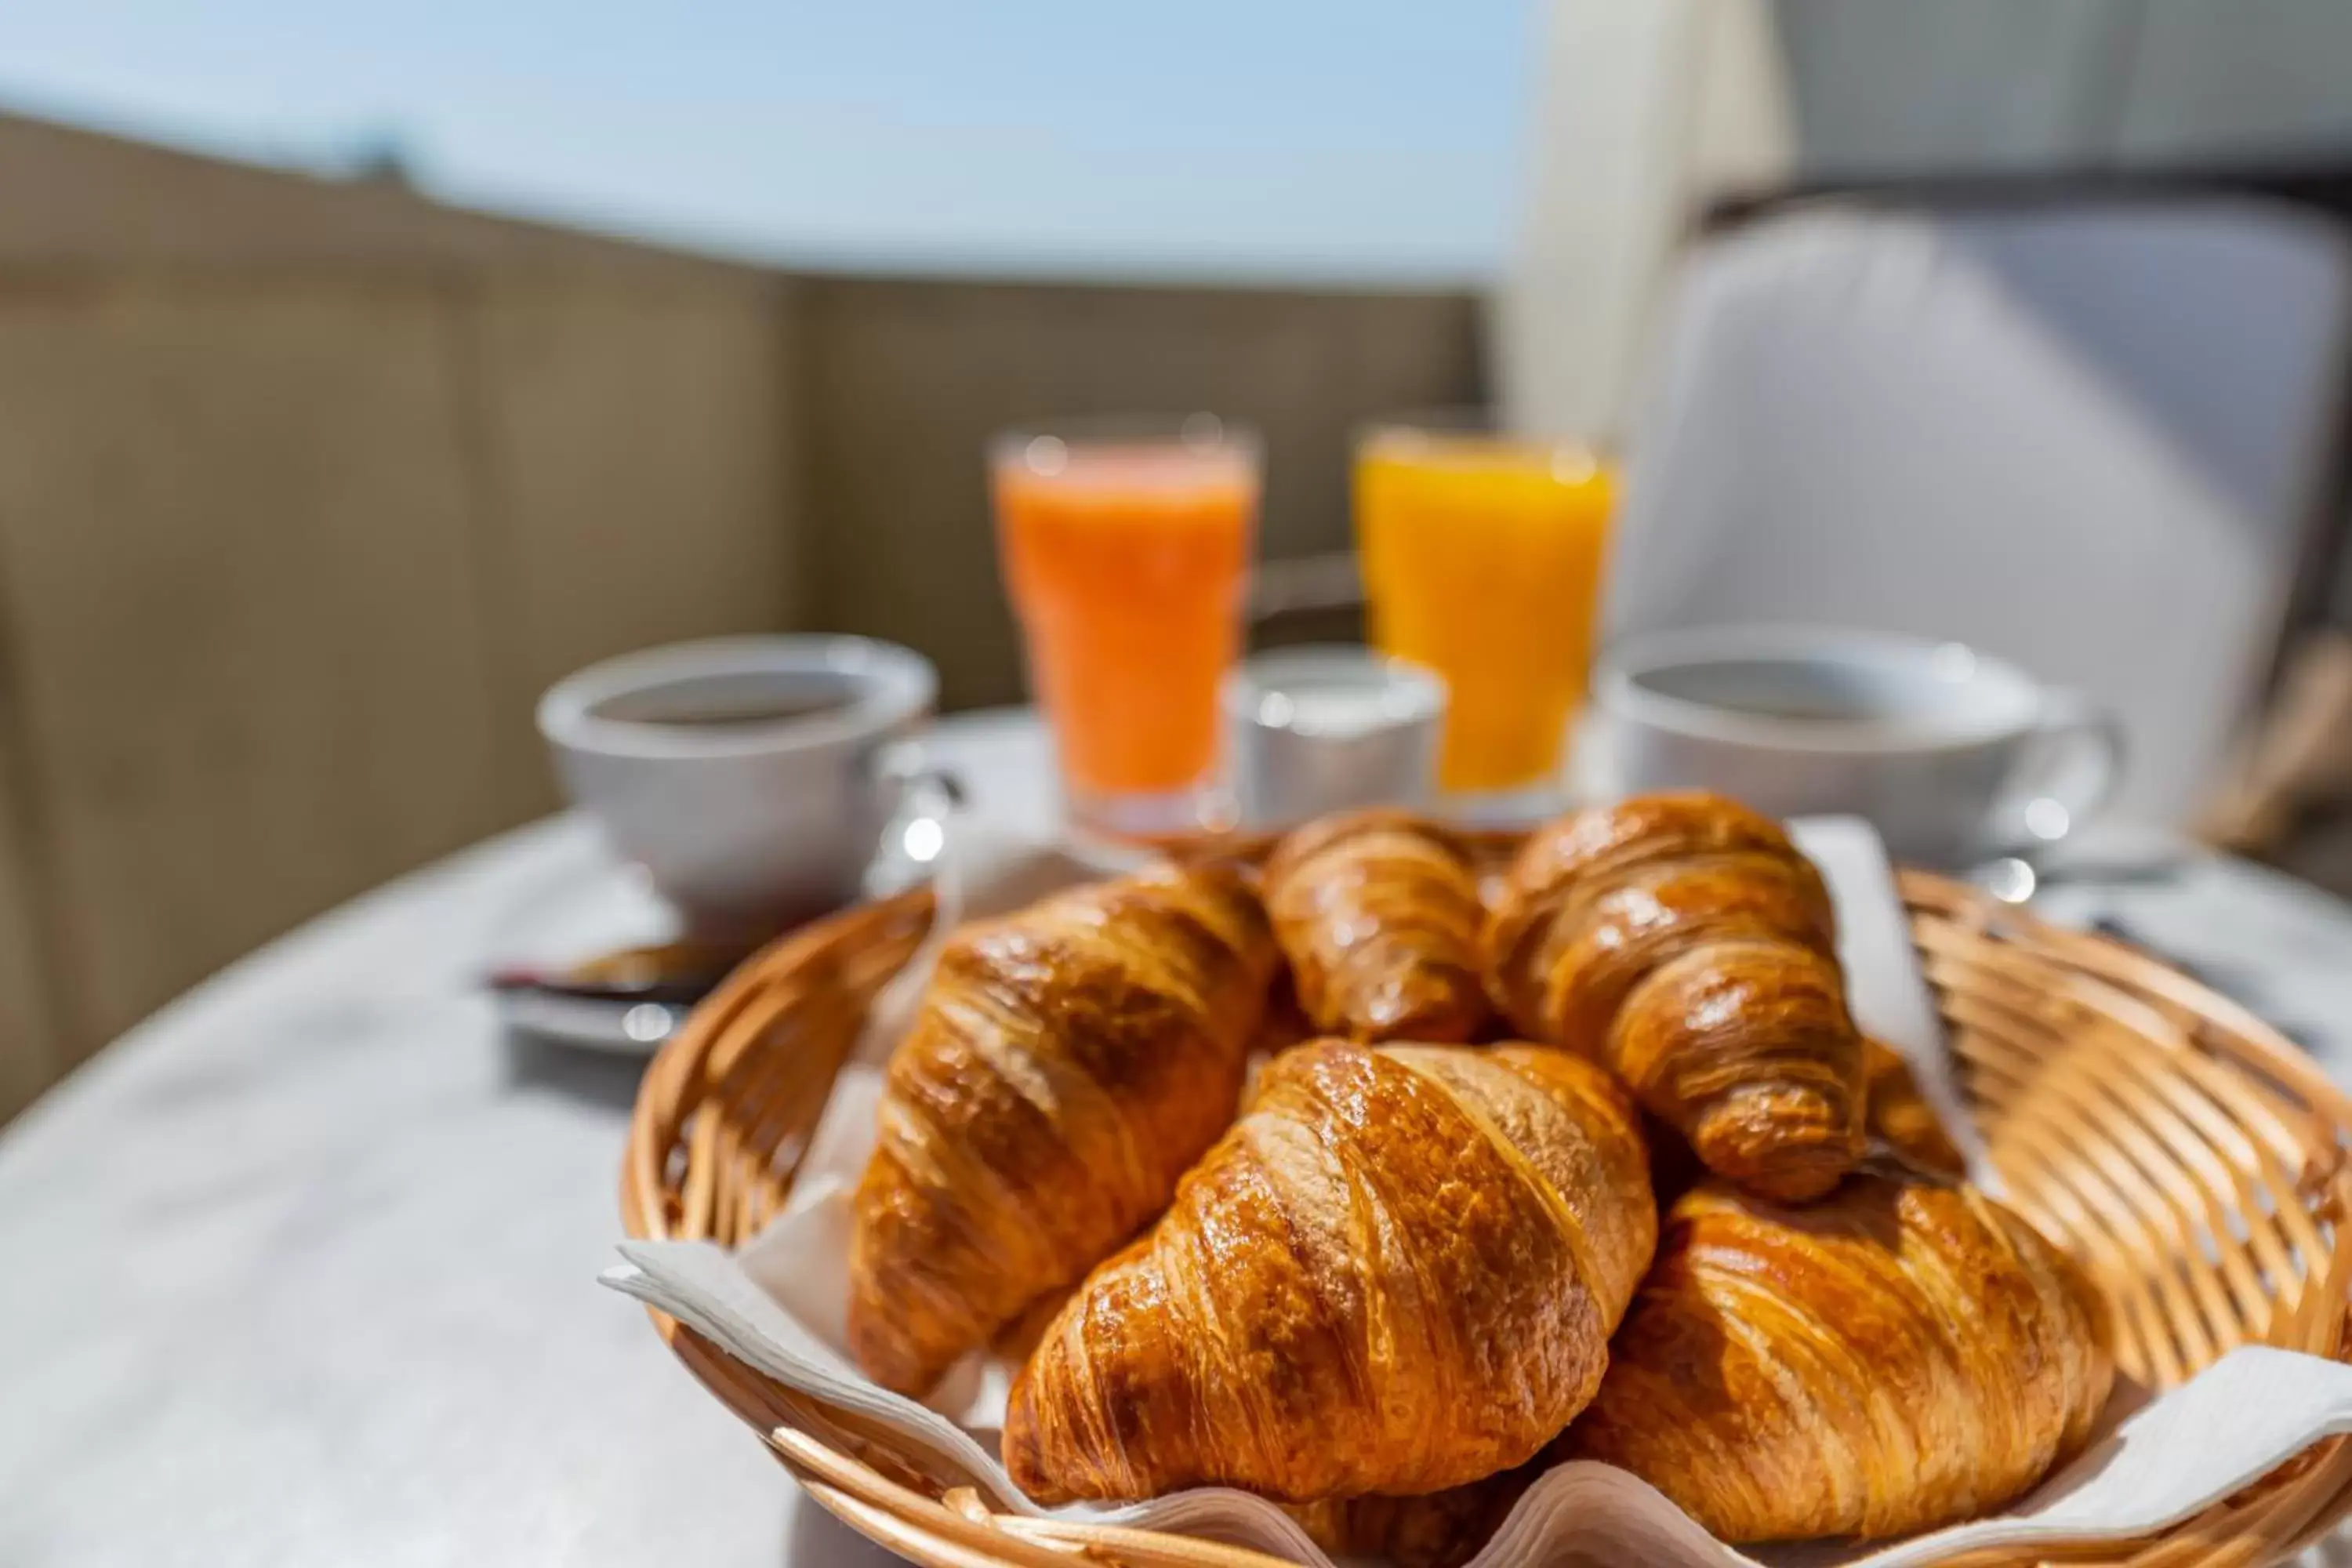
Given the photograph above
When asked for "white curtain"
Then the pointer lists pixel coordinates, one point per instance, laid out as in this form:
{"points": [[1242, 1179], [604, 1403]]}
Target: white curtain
{"points": [[1646, 111]]}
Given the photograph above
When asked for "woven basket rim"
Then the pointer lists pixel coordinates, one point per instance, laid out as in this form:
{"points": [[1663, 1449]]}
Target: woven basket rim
{"points": [[851, 1470]]}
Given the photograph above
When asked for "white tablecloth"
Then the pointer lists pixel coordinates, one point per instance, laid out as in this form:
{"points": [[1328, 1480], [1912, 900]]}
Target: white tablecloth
{"points": [[222, 1344]]}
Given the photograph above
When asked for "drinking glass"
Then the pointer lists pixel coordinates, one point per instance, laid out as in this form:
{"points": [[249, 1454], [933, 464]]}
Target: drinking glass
{"points": [[1483, 553], [1126, 548]]}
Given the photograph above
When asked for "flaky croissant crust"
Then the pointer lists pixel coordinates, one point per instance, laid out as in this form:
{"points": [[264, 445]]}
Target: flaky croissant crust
{"points": [[1378, 912], [1397, 1272], [1685, 941], [1429, 1530], [1068, 1062], [1900, 1118], [1906, 1355]]}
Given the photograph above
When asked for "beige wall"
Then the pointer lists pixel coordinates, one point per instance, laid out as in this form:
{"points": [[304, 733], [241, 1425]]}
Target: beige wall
{"points": [[233, 518], [307, 489], [638, 457], [284, 560], [905, 381]]}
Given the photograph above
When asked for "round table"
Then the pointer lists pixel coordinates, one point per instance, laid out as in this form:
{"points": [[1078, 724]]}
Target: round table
{"points": [[304, 1266]]}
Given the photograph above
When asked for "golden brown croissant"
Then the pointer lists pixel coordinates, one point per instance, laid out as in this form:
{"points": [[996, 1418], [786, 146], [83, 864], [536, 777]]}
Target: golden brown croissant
{"points": [[1434, 1530], [1397, 1272], [1683, 941], [1068, 1062], [1283, 1024], [1907, 1354], [1899, 1121], [1378, 912], [1900, 1116]]}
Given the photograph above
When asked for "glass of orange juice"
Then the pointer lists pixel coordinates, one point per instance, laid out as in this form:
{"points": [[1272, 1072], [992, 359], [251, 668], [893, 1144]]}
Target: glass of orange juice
{"points": [[1125, 547], [1481, 557]]}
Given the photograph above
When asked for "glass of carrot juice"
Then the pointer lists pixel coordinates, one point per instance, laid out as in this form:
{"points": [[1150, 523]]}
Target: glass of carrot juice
{"points": [[1481, 557], [1125, 547]]}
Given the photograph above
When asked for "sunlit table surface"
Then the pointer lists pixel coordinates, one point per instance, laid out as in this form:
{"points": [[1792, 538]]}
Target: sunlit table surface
{"points": [[301, 1271]]}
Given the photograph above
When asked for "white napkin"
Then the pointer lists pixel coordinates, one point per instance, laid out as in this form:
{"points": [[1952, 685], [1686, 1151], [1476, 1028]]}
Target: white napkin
{"points": [[1883, 986], [780, 1305]]}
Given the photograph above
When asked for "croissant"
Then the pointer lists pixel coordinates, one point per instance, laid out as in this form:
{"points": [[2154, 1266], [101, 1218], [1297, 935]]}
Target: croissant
{"points": [[1683, 941], [1900, 1117], [1904, 1355], [1433, 1530], [1397, 1272], [1066, 1064], [1378, 912], [1896, 1118], [1283, 1024]]}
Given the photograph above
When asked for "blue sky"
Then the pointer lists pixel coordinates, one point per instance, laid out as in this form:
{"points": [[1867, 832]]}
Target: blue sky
{"points": [[1377, 138]]}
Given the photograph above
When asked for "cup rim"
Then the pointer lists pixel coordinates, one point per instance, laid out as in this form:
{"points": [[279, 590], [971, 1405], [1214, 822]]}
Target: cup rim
{"points": [[1619, 672], [1473, 427], [1202, 431], [898, 684], [1423, 689]]}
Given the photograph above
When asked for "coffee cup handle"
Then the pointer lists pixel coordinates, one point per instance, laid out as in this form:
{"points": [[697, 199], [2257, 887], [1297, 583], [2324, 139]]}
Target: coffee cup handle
{"points": [[904, 769], [2073, 763], [917, 790]]}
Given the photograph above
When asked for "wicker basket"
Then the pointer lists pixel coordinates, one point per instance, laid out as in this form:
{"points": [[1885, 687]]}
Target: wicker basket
{"points": [[2189, 1155]]}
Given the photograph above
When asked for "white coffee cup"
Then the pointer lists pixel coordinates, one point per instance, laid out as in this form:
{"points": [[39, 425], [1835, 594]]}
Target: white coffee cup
{"points": [[751, 776], [1953, 754]]}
